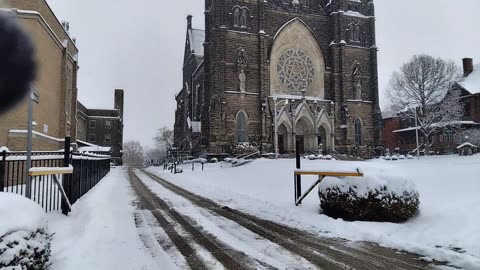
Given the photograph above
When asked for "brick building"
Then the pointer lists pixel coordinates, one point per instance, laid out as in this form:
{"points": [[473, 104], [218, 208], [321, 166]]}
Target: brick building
{"points": [[101, 130], [316, 59], [400, 133], [55, 86]]}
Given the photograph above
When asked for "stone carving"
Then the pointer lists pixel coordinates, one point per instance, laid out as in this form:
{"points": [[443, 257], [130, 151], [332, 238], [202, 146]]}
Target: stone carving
{"points": [[295, 69], [241, 59], [242, 78], [357, 82]]}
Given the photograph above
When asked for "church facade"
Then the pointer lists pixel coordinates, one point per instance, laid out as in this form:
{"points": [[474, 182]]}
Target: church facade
{"points": [[280, 74]]}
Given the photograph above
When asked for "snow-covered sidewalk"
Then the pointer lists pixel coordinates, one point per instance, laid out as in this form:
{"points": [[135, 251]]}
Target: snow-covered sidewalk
{"points": [[445, 229], [100, 232]]}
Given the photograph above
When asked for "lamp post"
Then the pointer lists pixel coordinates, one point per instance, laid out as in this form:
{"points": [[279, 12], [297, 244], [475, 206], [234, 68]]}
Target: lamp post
{"points": [[275, 139]]}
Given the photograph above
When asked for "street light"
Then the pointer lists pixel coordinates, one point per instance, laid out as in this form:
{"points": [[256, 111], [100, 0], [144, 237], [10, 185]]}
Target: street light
{"points": [[275, 99]]}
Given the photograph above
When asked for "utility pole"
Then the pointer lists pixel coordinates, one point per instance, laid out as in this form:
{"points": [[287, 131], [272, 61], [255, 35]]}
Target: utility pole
{"points": [[416, 133]]}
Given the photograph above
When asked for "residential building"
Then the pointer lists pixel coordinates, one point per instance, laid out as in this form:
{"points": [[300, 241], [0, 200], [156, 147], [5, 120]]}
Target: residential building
{"points": [[101, 130], [56, 84], [317, 60], [400, 132]]}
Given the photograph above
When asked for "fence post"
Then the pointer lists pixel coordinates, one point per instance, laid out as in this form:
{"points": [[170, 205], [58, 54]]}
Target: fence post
{"points": [[66, 177], [3, 163]]}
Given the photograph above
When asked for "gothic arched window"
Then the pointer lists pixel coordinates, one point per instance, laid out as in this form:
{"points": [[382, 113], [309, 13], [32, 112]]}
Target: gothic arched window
{"points": [[351, 32], [243, 18], [356, 36], [241, 128], [236, 16], [358, 131]]}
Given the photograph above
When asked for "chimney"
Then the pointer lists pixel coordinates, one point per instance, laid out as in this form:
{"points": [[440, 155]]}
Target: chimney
{"points": [[467, 66], [189, 22], [119, 101]]}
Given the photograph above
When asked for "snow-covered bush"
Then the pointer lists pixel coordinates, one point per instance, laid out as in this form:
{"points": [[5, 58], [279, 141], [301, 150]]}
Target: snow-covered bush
{"points": [[214, 160], [4, 148], [374, 198], [409, 157], [401, 157], [244, 149], [178, 169], [24, 241], [25, 250], [312, 157], [394, 157]]}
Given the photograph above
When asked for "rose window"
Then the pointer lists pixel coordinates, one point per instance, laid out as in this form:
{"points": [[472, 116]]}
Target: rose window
{"points": [[295, 69]]}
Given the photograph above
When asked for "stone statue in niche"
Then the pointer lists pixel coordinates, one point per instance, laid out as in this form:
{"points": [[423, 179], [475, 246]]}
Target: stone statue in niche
{"points": [[357, 83], [241, 65], [242, 78]]}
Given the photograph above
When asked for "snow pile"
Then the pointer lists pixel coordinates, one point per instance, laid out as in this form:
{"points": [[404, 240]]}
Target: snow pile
{"points": [[377, 197], [19, 213], [24, 241]]}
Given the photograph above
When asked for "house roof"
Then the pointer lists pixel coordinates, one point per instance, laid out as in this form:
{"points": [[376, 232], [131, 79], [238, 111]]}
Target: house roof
{"points": [[466, 145], [471, 83], [197, 38]]}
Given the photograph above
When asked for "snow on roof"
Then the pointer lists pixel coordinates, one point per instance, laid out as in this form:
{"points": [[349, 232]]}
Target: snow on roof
{"points": [[452, 123], [471, 83], [95, 148], [197, 38], [466, 144], [86, 143]]}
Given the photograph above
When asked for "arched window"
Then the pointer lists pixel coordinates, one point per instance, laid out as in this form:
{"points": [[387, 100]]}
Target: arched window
{"points": [[243, 18], [236, 16], [351, 32], [358, 131], [241, 128], [356, 36]]}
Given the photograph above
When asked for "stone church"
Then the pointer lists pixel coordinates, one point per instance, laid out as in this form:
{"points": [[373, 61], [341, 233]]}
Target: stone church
{"points": [[280, 74]]}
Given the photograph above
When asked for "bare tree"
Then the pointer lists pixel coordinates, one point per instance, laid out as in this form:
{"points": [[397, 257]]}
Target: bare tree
{"points": [[164, 138], [133, 154], [421, 89], [156, 154]]}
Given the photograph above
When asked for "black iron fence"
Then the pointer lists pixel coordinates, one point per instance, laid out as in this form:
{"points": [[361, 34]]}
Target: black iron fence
{"points": [[88, 170]]}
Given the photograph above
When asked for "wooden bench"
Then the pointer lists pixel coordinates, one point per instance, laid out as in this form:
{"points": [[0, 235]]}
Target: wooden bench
{"points": [[299, 197]]}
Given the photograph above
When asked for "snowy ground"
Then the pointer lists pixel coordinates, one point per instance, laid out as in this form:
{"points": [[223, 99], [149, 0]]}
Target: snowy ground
{"points": [[100, 232], [445, 229]]}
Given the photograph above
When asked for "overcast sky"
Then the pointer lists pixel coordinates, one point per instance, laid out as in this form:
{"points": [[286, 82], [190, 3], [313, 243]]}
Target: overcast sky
{"points": [[138, 46]]}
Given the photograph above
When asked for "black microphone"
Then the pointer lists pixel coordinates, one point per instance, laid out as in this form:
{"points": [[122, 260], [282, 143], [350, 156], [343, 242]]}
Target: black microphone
{"points": [[17, 63]]}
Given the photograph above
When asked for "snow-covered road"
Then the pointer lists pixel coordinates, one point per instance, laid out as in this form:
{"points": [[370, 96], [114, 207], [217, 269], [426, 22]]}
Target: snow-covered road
{"points": [[446, 228], [252, 242]]}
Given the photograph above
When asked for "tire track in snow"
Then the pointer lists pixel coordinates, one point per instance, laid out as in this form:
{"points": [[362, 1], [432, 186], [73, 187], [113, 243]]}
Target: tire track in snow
{"points": [[323, 252], [231, 233], [229, 258]]}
